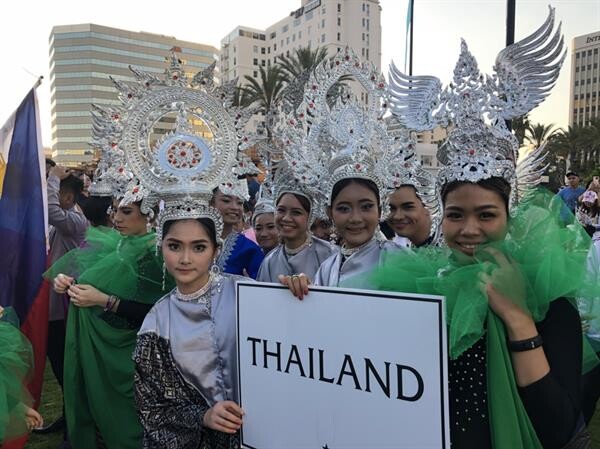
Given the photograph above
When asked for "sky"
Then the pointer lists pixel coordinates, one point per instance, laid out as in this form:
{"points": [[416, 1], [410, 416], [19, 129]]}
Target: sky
{"points": [[439, 25]]}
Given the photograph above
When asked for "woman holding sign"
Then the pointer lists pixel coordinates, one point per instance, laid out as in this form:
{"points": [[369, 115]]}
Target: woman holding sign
{"points": [[515, 339]]}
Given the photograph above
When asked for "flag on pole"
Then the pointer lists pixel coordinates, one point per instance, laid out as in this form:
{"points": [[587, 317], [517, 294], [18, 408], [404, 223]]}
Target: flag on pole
{"points": [[23, 226]]}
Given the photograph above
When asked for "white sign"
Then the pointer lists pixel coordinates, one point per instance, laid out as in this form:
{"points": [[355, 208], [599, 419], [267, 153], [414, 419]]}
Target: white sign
{"points": [[342, 369]]}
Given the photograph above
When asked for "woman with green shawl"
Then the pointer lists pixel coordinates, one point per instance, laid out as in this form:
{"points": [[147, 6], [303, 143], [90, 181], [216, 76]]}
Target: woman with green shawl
{"points": [[510, 270], [112, 283]]}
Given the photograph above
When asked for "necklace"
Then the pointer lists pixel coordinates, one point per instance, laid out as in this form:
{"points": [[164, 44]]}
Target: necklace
{"points": [[293, 252], [199, 296], [347, 252]]}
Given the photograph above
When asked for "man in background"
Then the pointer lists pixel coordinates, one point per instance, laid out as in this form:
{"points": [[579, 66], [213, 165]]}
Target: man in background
{"points": [[569, 196]]}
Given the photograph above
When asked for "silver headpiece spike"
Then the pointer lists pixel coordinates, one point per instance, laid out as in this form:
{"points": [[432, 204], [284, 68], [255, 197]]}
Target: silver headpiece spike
{"points": [[479, 145], [264, 200]]}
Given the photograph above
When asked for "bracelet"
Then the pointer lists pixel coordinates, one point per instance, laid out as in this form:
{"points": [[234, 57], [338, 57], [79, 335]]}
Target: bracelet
{"points": [[525, 345], [110, 303]]}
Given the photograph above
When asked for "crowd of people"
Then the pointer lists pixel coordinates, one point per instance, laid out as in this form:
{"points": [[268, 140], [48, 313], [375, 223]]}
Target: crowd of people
{"points": [[144, 259]]}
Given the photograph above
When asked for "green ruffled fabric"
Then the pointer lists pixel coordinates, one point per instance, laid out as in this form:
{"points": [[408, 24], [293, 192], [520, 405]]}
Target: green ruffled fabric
{"points": [[124, 266], [16, 364], [98, 377], [552, 260]]}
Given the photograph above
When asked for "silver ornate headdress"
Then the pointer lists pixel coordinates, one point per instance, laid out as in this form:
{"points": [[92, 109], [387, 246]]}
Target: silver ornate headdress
{"points": [[479, 145], [324, 145], [179, 140], [264, 201]]}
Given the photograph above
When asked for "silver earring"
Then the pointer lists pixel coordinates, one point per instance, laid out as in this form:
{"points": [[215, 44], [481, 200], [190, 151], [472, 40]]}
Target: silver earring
{"points": [[214, 268], [164, 279], [148, 225]]}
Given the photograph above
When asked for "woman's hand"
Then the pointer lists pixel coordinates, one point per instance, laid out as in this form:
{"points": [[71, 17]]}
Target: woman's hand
{"points": [[83, 295], [297, 283], [61, 283], [506, 293], [224, 416], [33, 419]]}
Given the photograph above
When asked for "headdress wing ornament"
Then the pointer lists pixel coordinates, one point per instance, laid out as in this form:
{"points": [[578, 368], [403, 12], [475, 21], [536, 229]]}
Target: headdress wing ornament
{"points": [[527, 70], [323, 144], [479, 145]]}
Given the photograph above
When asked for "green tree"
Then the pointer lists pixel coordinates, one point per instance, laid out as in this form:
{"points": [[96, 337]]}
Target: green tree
{"points": [[538, 134], [304, 60]]}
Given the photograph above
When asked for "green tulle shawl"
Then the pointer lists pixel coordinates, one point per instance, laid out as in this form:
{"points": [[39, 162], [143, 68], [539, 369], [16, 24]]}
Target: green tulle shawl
{"points": [[16, 364], [552, 259]]}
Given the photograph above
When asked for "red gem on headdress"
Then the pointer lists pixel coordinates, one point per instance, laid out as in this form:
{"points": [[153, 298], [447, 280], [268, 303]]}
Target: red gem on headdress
{"points": [[120, 169], [245, 139], [194, 161], [337, 62], [292, 122], [384, 105], [314, 87], [347, 58], [406, 164], [115, 116], [182, 154], [351, 131], [175, 77], [357, 166], [301, 115], [380, 85], [372, 77], [113, 144], [311, 105], [238, 116], [130, 96], [471, 152], [229, 184], [294, 163], [135, 190], [356, 64]]}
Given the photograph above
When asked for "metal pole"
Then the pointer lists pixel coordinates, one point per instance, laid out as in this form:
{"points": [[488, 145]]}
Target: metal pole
{"points": [[510, 34], [412, 22]]}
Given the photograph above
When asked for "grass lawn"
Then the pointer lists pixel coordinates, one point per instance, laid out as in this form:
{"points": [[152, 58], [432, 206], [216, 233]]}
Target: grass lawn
{"points": [[52, 407]]}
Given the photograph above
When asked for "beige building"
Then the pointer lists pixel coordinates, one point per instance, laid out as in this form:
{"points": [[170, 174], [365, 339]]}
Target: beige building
{"points": [[82, 57], [584, 102], [332, 24]]}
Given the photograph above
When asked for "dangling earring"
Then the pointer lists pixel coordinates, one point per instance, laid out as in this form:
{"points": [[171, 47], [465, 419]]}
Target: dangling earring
{"points": [[214, 268], [148, 224], [164, 280], [333, 236]]}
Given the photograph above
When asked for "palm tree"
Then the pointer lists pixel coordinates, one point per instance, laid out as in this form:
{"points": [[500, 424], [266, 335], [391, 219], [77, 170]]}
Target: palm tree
{"points": [[539, 134], [303, 60], [568, 144]]}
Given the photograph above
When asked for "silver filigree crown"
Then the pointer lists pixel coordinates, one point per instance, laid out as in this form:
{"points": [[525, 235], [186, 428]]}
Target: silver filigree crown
{"points": [[325, 144], [475, 107], [180, 138]]}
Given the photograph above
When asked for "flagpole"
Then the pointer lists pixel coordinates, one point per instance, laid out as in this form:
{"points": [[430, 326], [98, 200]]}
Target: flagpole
{"points": [[412, 19], [510, 34], [38, 82]]}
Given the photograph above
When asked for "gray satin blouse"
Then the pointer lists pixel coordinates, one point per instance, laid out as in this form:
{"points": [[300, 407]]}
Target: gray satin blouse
{"points": [[306, 261], [332, 272], [202, 338]]}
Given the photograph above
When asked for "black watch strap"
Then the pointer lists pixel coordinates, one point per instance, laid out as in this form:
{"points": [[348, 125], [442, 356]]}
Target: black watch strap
{"points": [[525, 345]]}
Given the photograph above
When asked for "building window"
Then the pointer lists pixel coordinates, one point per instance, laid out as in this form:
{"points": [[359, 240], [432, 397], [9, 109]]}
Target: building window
{"points": [[595, 51], [367, 53], [363, 37], [339, 6], [263, 63], [308, 15], [339, 37], [273, 35], [589, 52], [368, 9], [285, 28], [363, 21], [595, 79], [299, 35], [576, 69], [363, 7], [309, 28], [297, 22], [589, 67], [274, 47], [323, 23], [234, 48], [287, 40], [255, 48], [255, 74], [323, 10], [339, 21], [255, 61], [577, 55], [322, 38], [234, 61], [576, 97], [362, 53], [269, 50], [294, 37], [367, 24], [262, 51]]}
